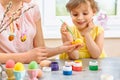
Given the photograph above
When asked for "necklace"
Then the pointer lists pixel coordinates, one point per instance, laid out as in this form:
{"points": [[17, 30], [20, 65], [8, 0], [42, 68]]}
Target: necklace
{"points": [[22, 31], [21, 28], [11, 19]]}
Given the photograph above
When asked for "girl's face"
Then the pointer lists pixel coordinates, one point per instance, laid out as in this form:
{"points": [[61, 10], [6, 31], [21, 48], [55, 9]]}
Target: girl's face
{"points": [[82, 15]]}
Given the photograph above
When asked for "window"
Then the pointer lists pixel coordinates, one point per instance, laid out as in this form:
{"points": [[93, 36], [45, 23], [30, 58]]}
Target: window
{"points": [[54, 10]]}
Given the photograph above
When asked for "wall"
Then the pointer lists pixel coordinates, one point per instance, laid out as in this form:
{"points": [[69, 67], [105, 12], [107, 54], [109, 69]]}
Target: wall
{"points": [[111, 45]]}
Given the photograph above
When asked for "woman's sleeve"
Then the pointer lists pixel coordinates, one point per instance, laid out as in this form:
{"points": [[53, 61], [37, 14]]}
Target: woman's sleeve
{"points": [[36, 15]]}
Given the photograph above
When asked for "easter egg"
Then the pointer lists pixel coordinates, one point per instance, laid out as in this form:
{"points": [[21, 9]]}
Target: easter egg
{"points": [[19, 66], [23, 38], [39, 73], [10, 64], [77, 41], [33, 65], [11, 37]]}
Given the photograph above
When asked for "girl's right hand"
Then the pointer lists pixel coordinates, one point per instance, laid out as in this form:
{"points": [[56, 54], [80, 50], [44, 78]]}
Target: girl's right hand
{"points": [[66, 36], [37, 54]]}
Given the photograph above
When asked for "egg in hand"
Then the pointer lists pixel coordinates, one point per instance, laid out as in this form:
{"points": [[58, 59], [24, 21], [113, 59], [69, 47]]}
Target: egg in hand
{"points": [[77, 41]]}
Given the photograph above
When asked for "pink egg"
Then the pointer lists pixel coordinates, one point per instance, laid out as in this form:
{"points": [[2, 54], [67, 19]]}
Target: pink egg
{"points": [[10, 64]]}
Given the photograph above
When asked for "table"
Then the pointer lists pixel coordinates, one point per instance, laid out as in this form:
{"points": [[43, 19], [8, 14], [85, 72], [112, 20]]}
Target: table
{"points": [[106, 66]]}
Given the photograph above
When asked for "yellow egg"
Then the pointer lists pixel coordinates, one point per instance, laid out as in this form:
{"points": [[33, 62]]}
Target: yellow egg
{"points": [[77, 41], [23, 38], [19, 66]]}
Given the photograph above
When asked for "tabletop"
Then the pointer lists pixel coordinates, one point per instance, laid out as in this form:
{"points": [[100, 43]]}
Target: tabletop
{"points": [[109, 66]]}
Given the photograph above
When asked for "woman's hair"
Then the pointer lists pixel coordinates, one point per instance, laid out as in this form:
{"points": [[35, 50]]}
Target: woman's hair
{"points": [[74, 3]]}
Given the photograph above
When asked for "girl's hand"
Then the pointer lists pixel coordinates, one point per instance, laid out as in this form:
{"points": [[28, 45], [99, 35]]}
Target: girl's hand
{"points": [[66, 36], [37, 54], [88, 28]]}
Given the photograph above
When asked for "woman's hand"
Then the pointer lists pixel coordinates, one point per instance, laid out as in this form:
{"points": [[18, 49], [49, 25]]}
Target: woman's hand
{"points": [[37, 54], [69, 47]]}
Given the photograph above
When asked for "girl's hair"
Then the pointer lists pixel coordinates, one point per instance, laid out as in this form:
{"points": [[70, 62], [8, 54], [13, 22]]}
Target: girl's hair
{"points": [[74, 3]]}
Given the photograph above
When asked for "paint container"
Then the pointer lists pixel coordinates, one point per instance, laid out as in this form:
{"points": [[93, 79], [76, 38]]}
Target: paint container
{"points": [[67, 70], [54, 66], [93, 65], [77, 66]]}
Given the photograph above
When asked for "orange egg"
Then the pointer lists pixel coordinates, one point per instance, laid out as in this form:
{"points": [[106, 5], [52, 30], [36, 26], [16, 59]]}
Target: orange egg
{"points": [[45, 63], [11, 37], [40, 73]]}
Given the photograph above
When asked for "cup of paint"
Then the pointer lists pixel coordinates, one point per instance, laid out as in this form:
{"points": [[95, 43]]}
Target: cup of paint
{"points": [[93, 65], [54, 66], [67, 70]]}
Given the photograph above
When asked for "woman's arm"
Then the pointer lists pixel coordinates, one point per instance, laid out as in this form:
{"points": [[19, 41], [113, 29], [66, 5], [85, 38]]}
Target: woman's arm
{"points": [[67, 46], [21, 57], [39, 40], [36, 54]]}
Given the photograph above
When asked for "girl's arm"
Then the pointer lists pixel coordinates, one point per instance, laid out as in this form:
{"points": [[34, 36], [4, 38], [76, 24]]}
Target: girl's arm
{"points": [[66, 36], [94, 47]]}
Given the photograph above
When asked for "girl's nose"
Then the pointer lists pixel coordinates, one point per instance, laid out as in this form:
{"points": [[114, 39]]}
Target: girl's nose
{"points": [[80, 17]]}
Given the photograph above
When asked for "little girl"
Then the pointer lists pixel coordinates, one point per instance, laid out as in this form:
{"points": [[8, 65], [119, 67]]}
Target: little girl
{"points": [[81, 12]]}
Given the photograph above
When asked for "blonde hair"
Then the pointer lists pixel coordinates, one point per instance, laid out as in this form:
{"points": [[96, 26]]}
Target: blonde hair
{"points": [[74, 3]]}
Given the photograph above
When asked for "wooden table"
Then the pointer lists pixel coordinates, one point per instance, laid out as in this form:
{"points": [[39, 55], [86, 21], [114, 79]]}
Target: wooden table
{"points": [[109, 66]]}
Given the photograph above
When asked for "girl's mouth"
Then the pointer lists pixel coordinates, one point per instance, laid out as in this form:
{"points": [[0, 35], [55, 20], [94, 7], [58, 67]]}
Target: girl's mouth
{"points": [[81, 23]]}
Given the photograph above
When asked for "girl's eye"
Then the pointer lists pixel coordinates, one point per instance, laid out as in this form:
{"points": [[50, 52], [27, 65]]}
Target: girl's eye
{"points": [[75, 14], [85, 13]]}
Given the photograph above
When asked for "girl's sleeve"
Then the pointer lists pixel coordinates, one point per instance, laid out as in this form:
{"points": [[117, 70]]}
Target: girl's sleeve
{"points": [[100, 30]]}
